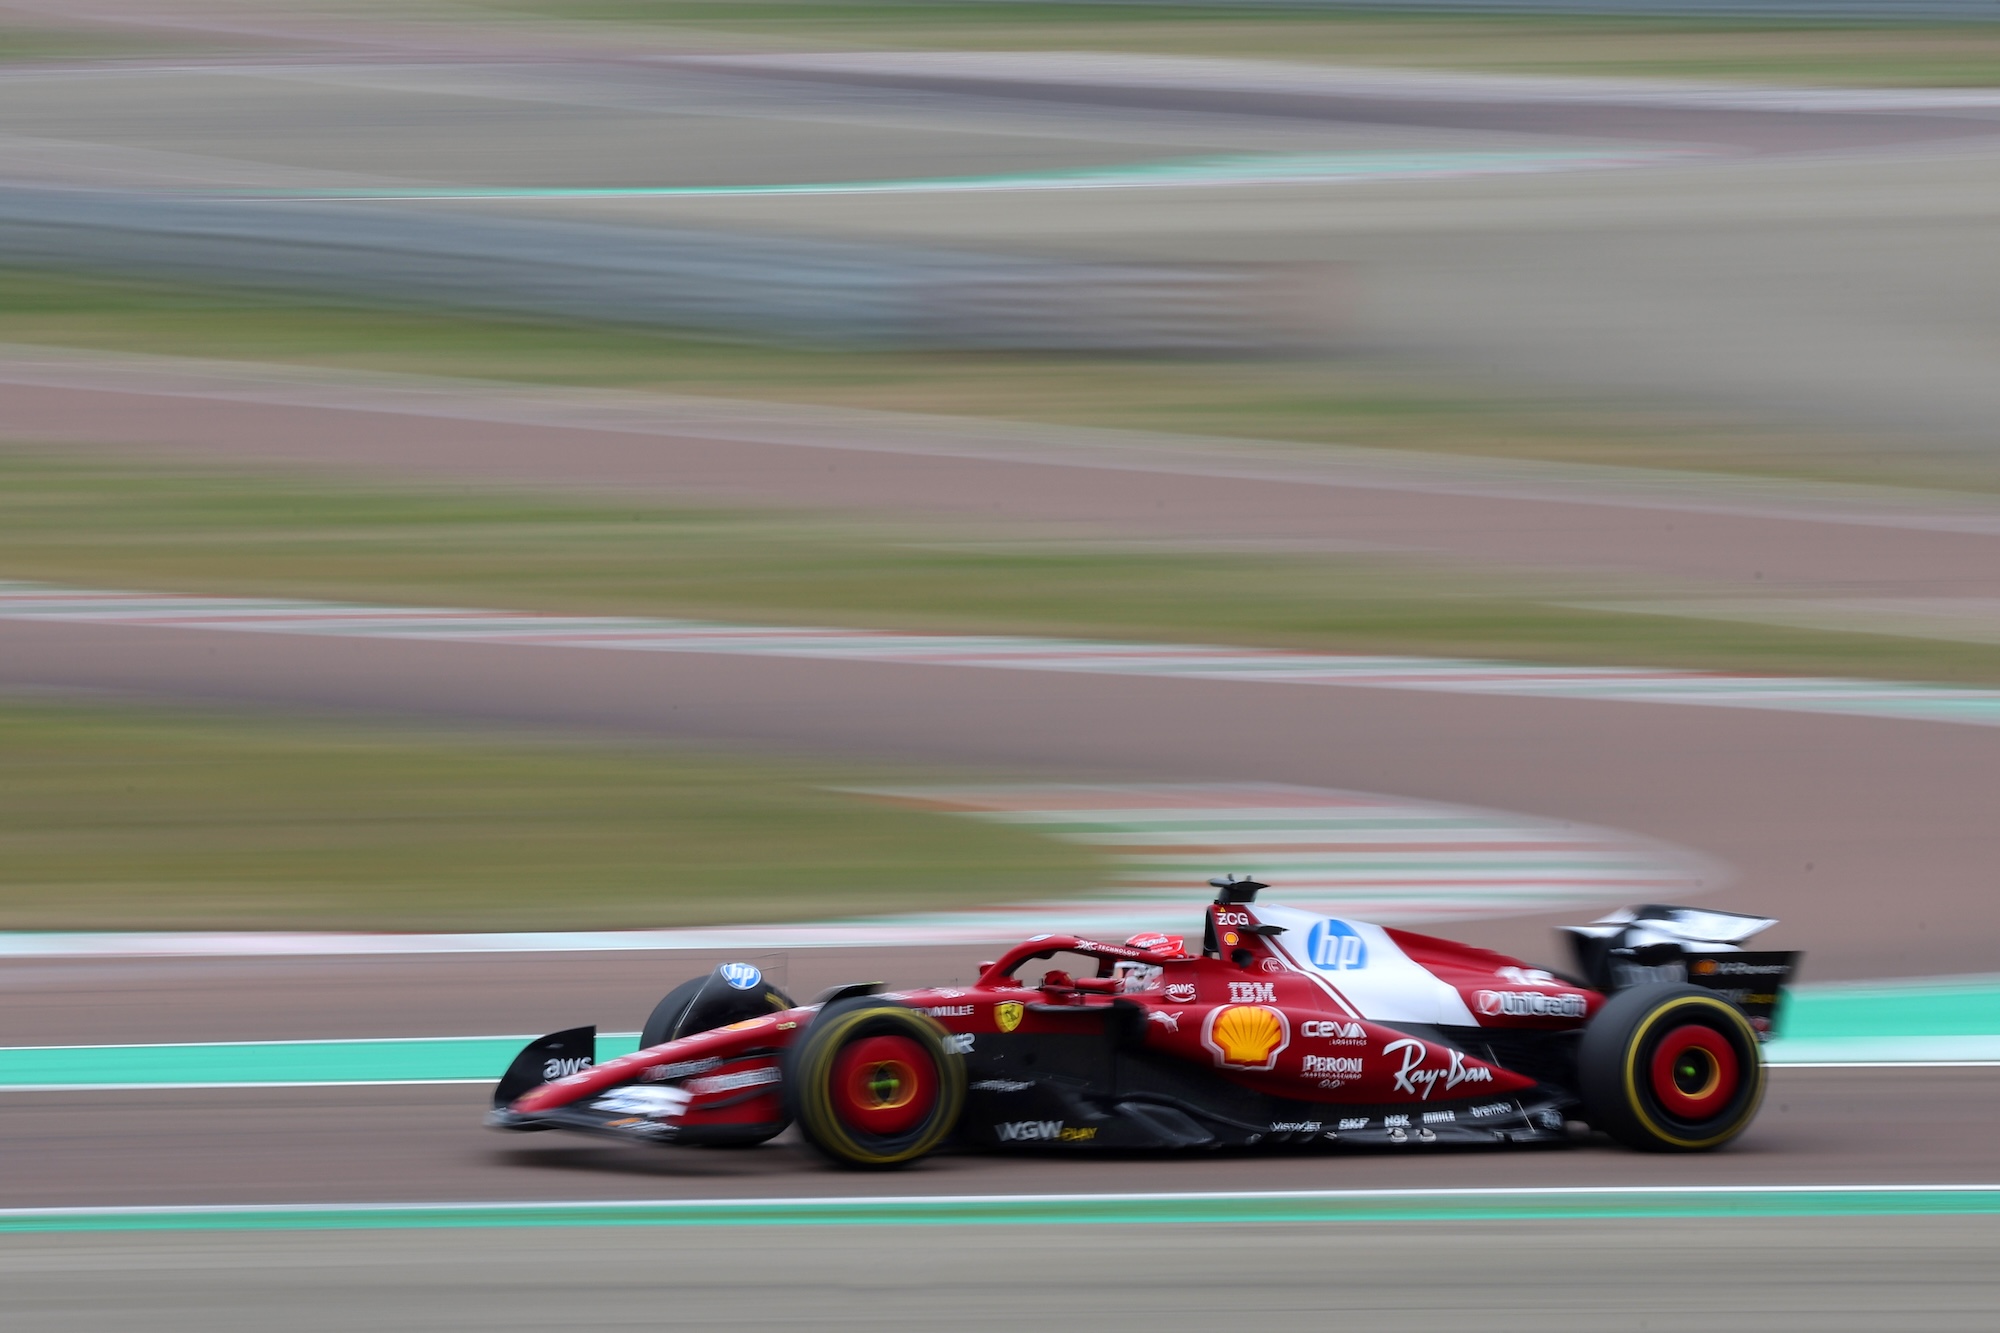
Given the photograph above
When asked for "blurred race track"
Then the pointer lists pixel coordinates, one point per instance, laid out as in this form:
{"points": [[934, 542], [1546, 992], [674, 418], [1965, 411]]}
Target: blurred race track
{"points": [[1809, 1277], [1813, 1276], [1872, 838], [1819, 254]]}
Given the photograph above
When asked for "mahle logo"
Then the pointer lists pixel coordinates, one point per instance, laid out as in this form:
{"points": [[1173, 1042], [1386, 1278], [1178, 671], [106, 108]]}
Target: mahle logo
{"points": [[1335, 946]]}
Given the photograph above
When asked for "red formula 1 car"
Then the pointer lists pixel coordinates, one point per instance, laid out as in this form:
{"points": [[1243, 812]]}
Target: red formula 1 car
{"points": [[1283, 1027]]}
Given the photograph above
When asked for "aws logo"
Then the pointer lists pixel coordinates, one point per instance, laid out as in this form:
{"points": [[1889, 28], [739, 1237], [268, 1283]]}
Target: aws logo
{"points": [[1246, 1036]]}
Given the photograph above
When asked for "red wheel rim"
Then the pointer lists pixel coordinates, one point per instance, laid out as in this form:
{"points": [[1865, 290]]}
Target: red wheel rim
{"points": [[884, 1085], [1695, 1072]]}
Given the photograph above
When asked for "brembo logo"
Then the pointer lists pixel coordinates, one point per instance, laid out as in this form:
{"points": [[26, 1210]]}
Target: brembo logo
{"points": [[1528, 1004]]}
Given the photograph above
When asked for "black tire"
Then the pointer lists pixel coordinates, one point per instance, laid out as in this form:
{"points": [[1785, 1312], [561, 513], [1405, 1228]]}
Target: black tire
{"points": [[663, 1024], [707, 1003], [701, 1005], [1670, 1069], [843, 1077]]}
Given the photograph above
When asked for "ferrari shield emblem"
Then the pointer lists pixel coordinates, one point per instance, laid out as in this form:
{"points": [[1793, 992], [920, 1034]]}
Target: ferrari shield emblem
{"points": [[1008, 1014]]}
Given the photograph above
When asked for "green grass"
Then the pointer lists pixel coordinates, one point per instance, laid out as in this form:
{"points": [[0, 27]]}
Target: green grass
{"points": [[1748, 49], [100, 524], [120, 817], [23, 43], [1336, 399]]}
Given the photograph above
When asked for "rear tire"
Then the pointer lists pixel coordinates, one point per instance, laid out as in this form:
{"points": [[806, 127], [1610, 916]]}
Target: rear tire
{"points": [[872, 1084], [1670, 1069]]}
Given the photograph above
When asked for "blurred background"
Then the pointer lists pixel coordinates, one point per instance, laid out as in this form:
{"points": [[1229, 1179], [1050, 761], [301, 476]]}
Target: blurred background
{"points": [[1732, 250], [1628, 335]]}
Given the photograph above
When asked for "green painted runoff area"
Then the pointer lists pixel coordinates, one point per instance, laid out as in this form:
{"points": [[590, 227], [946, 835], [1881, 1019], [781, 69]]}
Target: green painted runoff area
{"points": [[268, 1063], [1955, 1007], [1205, 1209], [1922, 1022]]}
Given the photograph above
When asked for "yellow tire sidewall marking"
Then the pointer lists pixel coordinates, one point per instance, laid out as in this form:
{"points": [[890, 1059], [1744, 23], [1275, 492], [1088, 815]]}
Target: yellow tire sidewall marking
{"points": [[1755, 1071], [818, 1099]]}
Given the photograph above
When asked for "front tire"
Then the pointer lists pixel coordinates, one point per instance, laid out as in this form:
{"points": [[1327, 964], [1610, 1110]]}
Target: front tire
{"points": [[702, 1005], [872, 1084], [1670, 1069]]}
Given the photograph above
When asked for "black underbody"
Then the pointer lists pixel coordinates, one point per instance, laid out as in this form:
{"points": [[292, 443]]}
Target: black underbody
{"points": [[1085, 1092]]}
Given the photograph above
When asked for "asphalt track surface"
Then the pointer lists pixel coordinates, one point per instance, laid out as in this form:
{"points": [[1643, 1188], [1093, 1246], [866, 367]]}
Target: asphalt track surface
{"points": [[1820, 1276], [1898, 1126], [416, 1143], [1488, 106], [1080, 481], [1868, 838]]}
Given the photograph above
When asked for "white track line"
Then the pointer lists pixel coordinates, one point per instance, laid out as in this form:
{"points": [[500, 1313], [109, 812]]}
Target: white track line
{"points": [[905, 1200]]}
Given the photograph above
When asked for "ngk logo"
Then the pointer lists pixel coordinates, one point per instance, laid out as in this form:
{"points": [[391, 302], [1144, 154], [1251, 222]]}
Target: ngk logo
{"points": [[1528, 1004], [1333, 1031]]}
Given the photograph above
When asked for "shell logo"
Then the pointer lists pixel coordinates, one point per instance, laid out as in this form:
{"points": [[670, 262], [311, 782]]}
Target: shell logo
{"points": [[1246, 1036]]}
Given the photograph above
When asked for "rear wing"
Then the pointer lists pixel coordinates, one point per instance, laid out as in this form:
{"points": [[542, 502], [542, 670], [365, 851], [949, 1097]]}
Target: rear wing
{"points": [[1656, 943]]}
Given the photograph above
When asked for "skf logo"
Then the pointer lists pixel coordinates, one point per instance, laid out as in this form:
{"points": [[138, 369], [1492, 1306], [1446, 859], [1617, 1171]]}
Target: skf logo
{"points": [[1332, 1031], [1246, 1036], [1008, 1014], [1253, 992]]}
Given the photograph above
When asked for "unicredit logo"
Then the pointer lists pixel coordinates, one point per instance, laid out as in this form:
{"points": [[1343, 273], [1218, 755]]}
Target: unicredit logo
{"points": [[1528, 1004]]}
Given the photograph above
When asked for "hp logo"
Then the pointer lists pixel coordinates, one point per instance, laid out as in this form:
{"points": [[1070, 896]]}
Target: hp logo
{"points": [[1336, 947]]}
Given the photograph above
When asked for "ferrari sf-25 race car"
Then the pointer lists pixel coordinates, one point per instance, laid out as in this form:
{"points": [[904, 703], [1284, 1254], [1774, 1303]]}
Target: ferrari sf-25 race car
{"points": [[1282, 1028]]}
